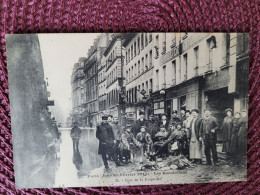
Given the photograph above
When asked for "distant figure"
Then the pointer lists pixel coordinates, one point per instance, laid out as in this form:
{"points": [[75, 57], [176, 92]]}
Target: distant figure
{"points": [[75, 135], [208, 134]]}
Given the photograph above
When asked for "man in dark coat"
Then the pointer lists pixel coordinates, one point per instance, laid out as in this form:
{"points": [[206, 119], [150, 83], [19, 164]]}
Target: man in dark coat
{"points": [[183, 115], [164, 121], [152, 127], [139, 122], [175, 118], [107, 142], [208, 133], [75, 135]]}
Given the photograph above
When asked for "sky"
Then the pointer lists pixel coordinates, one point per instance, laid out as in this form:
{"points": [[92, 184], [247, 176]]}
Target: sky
{"points": [[59, 53]]}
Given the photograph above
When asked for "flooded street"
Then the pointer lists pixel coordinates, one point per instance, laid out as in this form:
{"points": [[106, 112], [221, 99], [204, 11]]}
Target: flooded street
{"points": [[84, 167], [75, 165]]}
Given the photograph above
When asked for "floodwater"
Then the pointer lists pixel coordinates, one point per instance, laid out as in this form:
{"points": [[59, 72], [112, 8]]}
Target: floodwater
{"points": [[76, 164]]}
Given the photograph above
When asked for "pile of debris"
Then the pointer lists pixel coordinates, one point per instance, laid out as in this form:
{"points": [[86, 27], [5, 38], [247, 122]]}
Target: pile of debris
{"points": [[172, 162]]}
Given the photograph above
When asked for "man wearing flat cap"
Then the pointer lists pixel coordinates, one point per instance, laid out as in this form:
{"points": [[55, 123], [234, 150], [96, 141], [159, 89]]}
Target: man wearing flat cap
{"points": [[107, 142]]}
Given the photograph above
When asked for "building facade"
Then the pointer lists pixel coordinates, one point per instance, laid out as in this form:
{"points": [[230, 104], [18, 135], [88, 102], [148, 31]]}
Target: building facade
{"points": [[162, 72], [78, 91], [138, 72], [91, 105], [114, 76], [200, 71]]}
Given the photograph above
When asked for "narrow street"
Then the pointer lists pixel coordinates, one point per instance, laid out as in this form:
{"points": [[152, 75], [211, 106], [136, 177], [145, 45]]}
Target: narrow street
{"points": [[86, 168]]}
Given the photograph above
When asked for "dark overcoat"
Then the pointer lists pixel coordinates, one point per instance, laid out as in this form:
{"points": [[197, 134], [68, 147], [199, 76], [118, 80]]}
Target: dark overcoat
{"points": [[152, 128], [106, 137], [137, 126]]}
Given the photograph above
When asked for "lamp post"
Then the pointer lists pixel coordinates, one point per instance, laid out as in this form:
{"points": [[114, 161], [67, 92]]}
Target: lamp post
{"points": [[163, 93]]}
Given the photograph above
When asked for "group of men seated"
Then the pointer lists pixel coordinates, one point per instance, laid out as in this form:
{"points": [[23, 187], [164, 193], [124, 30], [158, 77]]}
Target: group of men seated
{"points": [[144, 138]]}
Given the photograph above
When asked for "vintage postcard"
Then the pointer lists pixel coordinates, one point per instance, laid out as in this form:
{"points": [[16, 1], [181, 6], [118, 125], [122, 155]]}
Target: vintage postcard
{"points": [[117, 109]]}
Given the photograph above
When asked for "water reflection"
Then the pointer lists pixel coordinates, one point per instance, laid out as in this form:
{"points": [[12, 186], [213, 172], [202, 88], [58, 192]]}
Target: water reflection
{"points": [[77, 159], [86, 158]]}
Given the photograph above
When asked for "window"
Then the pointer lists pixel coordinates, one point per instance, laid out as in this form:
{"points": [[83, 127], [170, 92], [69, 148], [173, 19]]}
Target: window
{"points": [[138, 45], [157, 79], [142, 40], [129, 55], [135, 98], [196, 55], [146, 62], [132, 75], [135, 49], [146, 39], [183, 102], [151, 58], [142, 65], [135, 71], [146, 87], [129, 79], [151, 85], [164, 43], [131, 52], [156, 46], [174, 72], [150, 37], [173, 39], [211, 42], [164, 76], [139, 68], [126, 57], [185, 58]]}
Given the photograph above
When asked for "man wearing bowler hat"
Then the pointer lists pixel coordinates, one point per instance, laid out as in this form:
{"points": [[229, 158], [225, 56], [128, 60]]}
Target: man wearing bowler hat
{"points": [[107, 142]]}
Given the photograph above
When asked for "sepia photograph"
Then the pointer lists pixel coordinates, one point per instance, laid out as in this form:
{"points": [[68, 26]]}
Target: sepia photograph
{"points": [[124, 109]]}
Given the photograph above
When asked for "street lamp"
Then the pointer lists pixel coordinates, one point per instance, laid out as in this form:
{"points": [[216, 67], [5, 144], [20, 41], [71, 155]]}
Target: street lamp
{"points": [[163, 92]]}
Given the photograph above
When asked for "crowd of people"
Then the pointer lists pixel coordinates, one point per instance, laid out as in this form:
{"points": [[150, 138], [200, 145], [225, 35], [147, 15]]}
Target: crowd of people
{"points": [[183, 134]]}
